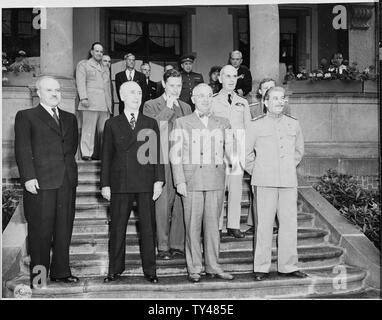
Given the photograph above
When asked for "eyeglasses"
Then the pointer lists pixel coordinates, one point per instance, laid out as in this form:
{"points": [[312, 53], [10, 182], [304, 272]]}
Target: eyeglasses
{"points": [[282, 99], [203, 96]]}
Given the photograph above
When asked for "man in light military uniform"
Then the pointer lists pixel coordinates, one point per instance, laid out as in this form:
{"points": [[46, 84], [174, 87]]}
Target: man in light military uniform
{"points": [[199, 174], [94, 90], [190, 79], [229, 105], [274, 147]]}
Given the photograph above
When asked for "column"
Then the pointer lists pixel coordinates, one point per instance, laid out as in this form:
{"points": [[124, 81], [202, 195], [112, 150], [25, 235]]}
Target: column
{"points": [[56, 54], [264, 42]]}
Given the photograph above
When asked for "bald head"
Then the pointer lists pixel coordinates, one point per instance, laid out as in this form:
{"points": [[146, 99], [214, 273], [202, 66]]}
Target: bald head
{"points": [[49, 91], [228, 78], [131, 95]]}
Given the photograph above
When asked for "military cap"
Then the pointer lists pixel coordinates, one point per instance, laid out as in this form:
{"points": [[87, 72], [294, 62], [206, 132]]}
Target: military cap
{"points": [[187, 57]]}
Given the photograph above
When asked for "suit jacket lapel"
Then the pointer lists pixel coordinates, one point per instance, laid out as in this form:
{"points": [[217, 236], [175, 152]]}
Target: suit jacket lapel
{"points": [[63, 122], [47, 119], [126, 130]]}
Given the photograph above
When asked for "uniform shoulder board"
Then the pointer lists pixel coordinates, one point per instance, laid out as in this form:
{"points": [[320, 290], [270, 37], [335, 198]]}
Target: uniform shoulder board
{"points": [[288, 115], [258, 117]]}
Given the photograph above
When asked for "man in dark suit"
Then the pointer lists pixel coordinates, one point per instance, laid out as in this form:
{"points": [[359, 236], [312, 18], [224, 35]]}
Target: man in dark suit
{"points": [[151, 86], [128, 174], [168, 209], [46, 140], [190, 79], [130, 74], [244, 77]]}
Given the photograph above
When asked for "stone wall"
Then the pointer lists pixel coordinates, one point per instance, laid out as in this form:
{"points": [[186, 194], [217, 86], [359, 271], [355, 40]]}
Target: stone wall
{"points": [[341, 132]]}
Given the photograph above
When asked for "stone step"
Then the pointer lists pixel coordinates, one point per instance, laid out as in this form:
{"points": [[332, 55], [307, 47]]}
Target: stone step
{"points": [[99, 225], [97, 207], [97, 244], [320, 282], [88, 187], [232, 261]]}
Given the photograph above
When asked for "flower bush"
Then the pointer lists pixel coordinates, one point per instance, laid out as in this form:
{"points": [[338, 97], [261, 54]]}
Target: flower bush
{"points": [[10, 198], [359, 206], [342, 72]]}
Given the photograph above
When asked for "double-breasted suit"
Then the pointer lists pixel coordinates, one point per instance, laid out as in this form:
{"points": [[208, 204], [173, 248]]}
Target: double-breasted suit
{"points": [[168, 208], [130, 177], [46, 151], [274, 148], [198, 161], [239, 117]]}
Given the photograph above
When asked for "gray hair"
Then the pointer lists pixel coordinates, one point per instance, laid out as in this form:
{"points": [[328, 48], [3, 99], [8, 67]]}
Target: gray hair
{"points": [[237, 52], [200, 86]]}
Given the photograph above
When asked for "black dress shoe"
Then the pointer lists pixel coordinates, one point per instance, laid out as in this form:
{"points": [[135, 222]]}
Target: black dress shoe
{"points": [[112, 277], [294, 274], [164, 255], [250, 231], [152, 279], [70, 279], [87, 158], [259, 276], [194, 278], [223, 275], [236, 233], [176, 252]]}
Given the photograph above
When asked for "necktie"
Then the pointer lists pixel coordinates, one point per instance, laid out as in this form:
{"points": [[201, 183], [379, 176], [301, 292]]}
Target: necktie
{"points": [[55, 116], [202, 115], [130, 76], [132, 121], [229, 99]]}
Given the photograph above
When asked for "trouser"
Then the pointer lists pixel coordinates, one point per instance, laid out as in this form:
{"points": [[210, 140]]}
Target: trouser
{"points": [[50, 216], [92, 122], [284, 201], [121, 205], [234, 183], [169, 216], [202, 209]]}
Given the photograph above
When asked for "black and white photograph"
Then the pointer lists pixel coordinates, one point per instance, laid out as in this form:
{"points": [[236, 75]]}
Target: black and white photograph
{"points": [[204, 152]]}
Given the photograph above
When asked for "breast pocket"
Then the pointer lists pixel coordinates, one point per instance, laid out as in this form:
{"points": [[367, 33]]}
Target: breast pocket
{"points": [[91, 74]]}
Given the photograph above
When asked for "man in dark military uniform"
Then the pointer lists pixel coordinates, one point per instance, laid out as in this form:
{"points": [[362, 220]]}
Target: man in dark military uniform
{"points": [[190, 79]]}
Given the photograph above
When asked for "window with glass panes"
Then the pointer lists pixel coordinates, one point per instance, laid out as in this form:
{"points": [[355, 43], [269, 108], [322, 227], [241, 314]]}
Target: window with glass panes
{"points": [[18, 32], [149, 39]]}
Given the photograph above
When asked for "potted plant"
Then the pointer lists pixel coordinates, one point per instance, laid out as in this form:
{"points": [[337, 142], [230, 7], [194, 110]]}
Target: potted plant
{"points": [[335, 79]]}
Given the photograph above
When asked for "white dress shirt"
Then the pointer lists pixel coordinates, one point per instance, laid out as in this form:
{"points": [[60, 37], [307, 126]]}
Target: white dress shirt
{"points": [[50, 111], [131, 73], [204, 119], [128, 115]]}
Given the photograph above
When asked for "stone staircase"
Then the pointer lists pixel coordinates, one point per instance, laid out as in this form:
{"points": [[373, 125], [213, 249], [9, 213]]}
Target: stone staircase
{"points": [[321, 259]]}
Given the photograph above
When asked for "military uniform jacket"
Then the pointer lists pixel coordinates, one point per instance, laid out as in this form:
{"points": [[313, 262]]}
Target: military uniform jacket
{"points": [[189, 82], [274, 148], [200, 175], [93, 83], [237, 113]]}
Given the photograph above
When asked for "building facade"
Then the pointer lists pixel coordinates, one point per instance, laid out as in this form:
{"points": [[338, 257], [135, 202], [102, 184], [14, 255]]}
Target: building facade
{"points": [[341, 130]]}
